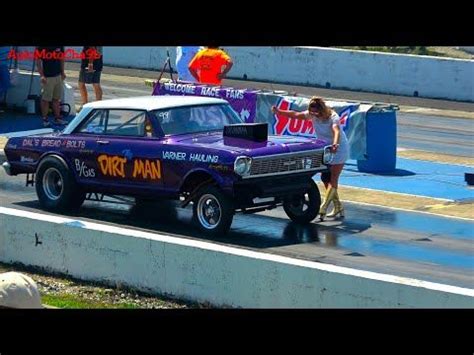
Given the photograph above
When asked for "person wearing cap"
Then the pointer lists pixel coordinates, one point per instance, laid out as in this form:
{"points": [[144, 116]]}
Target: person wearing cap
{"points": [[210, 65], [18, 291]]}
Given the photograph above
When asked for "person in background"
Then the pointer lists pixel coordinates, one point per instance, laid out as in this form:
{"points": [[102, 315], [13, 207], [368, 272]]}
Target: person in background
{"points": [[210, 65], [184, 55], [4, 74], [327, 127], [18, 291], [52, 78], [91, 70]]}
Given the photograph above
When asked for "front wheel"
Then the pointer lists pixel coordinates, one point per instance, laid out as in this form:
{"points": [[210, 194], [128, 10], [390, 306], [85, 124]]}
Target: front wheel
{"points": [[213, 211], [303, 208]]}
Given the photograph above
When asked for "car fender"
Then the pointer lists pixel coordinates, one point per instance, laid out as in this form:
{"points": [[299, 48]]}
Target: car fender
{"points": [[56, 155], [222, 181]]}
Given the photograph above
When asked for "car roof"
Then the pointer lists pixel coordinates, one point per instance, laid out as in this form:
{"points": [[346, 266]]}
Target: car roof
{"points": [[154, 102]]}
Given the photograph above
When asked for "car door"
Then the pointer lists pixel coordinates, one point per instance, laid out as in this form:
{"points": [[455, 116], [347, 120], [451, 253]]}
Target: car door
{"points": [[80, 147], [127, 153]]}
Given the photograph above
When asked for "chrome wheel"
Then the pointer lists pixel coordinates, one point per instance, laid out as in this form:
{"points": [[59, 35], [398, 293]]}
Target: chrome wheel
{"points": [[209, 211], [53, 183]]}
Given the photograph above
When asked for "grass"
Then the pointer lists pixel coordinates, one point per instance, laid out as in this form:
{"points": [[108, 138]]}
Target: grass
{"points": [[73, 302]]}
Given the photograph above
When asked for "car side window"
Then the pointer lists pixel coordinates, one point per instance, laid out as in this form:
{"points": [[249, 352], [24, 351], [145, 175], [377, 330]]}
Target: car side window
{"points": [[115, 123], [126, 123], [199, 118], [95, 124], [175, 120]]}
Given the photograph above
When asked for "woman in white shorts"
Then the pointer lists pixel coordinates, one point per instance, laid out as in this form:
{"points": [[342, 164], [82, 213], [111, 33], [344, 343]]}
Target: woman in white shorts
{"points": [[327, 127]]}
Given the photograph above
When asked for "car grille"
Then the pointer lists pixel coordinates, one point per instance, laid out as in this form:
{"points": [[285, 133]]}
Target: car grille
{"points": [[285, 163]]}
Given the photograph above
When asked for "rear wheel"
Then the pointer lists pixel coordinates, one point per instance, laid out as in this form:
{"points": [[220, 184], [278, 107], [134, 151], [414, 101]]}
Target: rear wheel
{"points": [[56, 186], [213, 211], [303, 208]]}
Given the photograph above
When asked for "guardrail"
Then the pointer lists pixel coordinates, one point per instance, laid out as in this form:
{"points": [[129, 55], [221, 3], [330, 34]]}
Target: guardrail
{"points": [[205, 272]]}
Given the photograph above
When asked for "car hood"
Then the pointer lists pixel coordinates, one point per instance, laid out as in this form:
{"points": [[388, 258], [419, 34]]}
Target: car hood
{"points": [[274, 144]]}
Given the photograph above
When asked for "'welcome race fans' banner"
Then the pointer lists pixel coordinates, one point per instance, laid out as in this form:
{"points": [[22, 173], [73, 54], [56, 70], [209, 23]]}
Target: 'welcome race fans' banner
{"points": [[243, 101]]}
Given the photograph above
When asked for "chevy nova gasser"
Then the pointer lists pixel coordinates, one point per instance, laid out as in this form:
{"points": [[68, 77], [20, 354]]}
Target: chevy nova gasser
{"points": [[193, 149]]}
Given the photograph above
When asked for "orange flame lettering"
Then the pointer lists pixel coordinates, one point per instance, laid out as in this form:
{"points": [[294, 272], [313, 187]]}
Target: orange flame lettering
{"points": [[112, 166], [147, 169]]}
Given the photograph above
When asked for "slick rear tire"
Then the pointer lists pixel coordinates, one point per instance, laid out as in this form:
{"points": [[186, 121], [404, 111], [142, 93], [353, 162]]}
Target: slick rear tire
{"points": [[56, 187]]}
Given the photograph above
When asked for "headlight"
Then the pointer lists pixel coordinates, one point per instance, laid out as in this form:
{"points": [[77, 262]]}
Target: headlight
{"points": [[242, 165], [328, 156]]}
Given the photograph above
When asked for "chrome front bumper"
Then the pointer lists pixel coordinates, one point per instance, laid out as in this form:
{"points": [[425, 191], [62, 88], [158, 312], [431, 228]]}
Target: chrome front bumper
{"points": [[6, 165]]}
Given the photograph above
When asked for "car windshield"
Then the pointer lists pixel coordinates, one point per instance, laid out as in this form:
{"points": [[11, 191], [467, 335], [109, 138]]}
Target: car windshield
{"points": [[199, 118]]}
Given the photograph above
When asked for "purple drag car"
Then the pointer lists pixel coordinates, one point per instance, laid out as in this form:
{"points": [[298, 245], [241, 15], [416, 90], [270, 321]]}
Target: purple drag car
{"points": [[193, 149]]}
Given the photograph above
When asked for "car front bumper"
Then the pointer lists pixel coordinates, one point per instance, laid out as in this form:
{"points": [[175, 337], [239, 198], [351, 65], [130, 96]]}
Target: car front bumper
{"points": [[6, 165], [247, 192]]}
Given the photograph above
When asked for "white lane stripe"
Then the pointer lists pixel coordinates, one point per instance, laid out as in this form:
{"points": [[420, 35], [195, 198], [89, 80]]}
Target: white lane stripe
{"points": [[118, 88], [408, 210], [126, 89], [239, 252]]}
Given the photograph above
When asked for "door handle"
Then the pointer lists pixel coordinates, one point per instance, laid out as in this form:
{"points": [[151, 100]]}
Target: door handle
{"points": [[103, 142]]}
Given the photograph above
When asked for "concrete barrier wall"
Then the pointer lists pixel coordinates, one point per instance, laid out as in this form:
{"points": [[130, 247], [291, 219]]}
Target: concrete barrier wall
{"points": [[358, 70], [433, 77], [205, 272]]}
